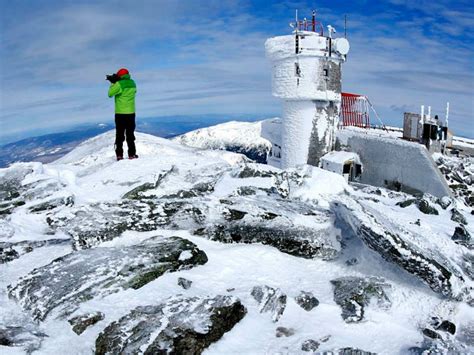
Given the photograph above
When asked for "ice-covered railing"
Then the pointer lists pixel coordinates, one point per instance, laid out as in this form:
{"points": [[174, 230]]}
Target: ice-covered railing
{"points": [[355, 111]]}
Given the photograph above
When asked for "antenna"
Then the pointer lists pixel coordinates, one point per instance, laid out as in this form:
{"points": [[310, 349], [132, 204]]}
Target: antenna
{"points": [[447, 113], [345, 26]]}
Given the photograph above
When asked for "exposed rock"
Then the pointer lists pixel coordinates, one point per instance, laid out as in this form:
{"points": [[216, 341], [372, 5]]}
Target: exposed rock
{"points": [[447, 326], [297, 241], [271, 301], [8, 207], [284, 332], [310, 345], [457, 216], [28, 339], [99, 272], [459, 175], [461, 236], [177, 326], [422, 204], [84, 321], [349, 351], [7, 253], [184, 283], [431, 334], [353, 294], [306, 300], [406, 203], [233, 215], [52, 204], [253, 170], [246, 191], [395, 245], [11, 179], [269, 215], [425, 207]]}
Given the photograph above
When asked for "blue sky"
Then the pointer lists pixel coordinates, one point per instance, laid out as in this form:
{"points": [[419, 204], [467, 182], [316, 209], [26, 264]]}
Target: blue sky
{"points": [[207, 57]]}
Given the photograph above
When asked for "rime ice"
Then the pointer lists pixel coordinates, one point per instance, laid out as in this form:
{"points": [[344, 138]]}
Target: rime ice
{"points": [[306, 75]]}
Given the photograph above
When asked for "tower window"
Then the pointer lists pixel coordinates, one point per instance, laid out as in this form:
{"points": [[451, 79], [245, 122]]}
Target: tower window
{"points": [[297, 70], [326, 72]]}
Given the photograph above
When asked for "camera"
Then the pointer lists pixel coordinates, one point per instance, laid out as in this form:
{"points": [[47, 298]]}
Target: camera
{"points": [[113, 78]]}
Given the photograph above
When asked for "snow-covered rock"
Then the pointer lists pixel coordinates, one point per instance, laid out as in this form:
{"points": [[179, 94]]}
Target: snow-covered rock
{"points": [[176, 326], [353, 294], [136, 229], [239, 137], [83, 275], [408, 249]]}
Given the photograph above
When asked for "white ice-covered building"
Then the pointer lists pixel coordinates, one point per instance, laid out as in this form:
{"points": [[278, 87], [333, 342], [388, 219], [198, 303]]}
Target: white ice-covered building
{"points": [[306, 76]]}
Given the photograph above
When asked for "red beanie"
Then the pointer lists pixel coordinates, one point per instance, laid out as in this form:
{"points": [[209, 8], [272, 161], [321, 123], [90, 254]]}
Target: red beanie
{"points": [[122, 71]]}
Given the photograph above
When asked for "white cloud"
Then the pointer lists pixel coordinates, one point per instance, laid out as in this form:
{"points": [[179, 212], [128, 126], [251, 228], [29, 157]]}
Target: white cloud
{"points": [[193, 59]]}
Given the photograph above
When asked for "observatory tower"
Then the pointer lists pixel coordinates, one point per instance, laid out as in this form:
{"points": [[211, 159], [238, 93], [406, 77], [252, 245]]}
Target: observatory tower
{"points": [[306, 75]]}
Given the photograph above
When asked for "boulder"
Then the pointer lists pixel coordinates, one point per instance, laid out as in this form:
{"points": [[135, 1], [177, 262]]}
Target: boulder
{"points": [[306, 300], [293, 227], [84, 321], [402, 247], [353, 294], [310, 345], [177, 326], [422, 204], [461, 236], [270, 301], [284, 332], [7, 253], [425, 207], [447, 326], [184, 283], [457, 216], [99, 272]]}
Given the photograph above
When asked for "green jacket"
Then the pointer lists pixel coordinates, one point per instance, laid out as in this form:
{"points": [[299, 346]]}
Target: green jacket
{"points": [[124, 91]]}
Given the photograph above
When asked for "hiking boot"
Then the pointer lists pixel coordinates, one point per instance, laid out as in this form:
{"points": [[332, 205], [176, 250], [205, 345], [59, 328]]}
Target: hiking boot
{"points": [[119, 157], [133, 156]]}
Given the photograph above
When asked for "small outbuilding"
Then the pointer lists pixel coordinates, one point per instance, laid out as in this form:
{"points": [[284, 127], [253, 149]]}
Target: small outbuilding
{"points": [[347, 164]]}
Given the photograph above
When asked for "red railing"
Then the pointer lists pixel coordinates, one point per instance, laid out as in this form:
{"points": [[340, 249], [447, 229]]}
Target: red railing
{"points": [[354, 110], [314, 26]]}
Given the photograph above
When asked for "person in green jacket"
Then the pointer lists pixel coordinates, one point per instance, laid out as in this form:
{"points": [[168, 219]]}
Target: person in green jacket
{"points": [[124, 91]]}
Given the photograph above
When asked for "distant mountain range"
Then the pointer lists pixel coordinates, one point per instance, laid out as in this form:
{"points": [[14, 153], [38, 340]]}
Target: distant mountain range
{"points": [[47, 148]]}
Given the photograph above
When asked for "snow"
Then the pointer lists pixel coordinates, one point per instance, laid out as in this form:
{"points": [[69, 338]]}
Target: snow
{"points": [[91, 174]]}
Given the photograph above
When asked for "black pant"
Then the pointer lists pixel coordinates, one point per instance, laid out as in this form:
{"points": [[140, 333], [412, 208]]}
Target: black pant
{"points": [[125, 126]]}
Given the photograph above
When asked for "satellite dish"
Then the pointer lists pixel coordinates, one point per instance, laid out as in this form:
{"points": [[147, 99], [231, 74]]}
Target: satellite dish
{"points": [[342, 46]]}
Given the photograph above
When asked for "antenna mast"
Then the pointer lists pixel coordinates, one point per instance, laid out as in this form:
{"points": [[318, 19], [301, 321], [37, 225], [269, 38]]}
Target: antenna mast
{"points": [[345, 26]]}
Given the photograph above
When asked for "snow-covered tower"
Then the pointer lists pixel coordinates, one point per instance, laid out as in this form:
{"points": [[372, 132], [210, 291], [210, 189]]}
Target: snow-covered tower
{"points": [[306, 75]]}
